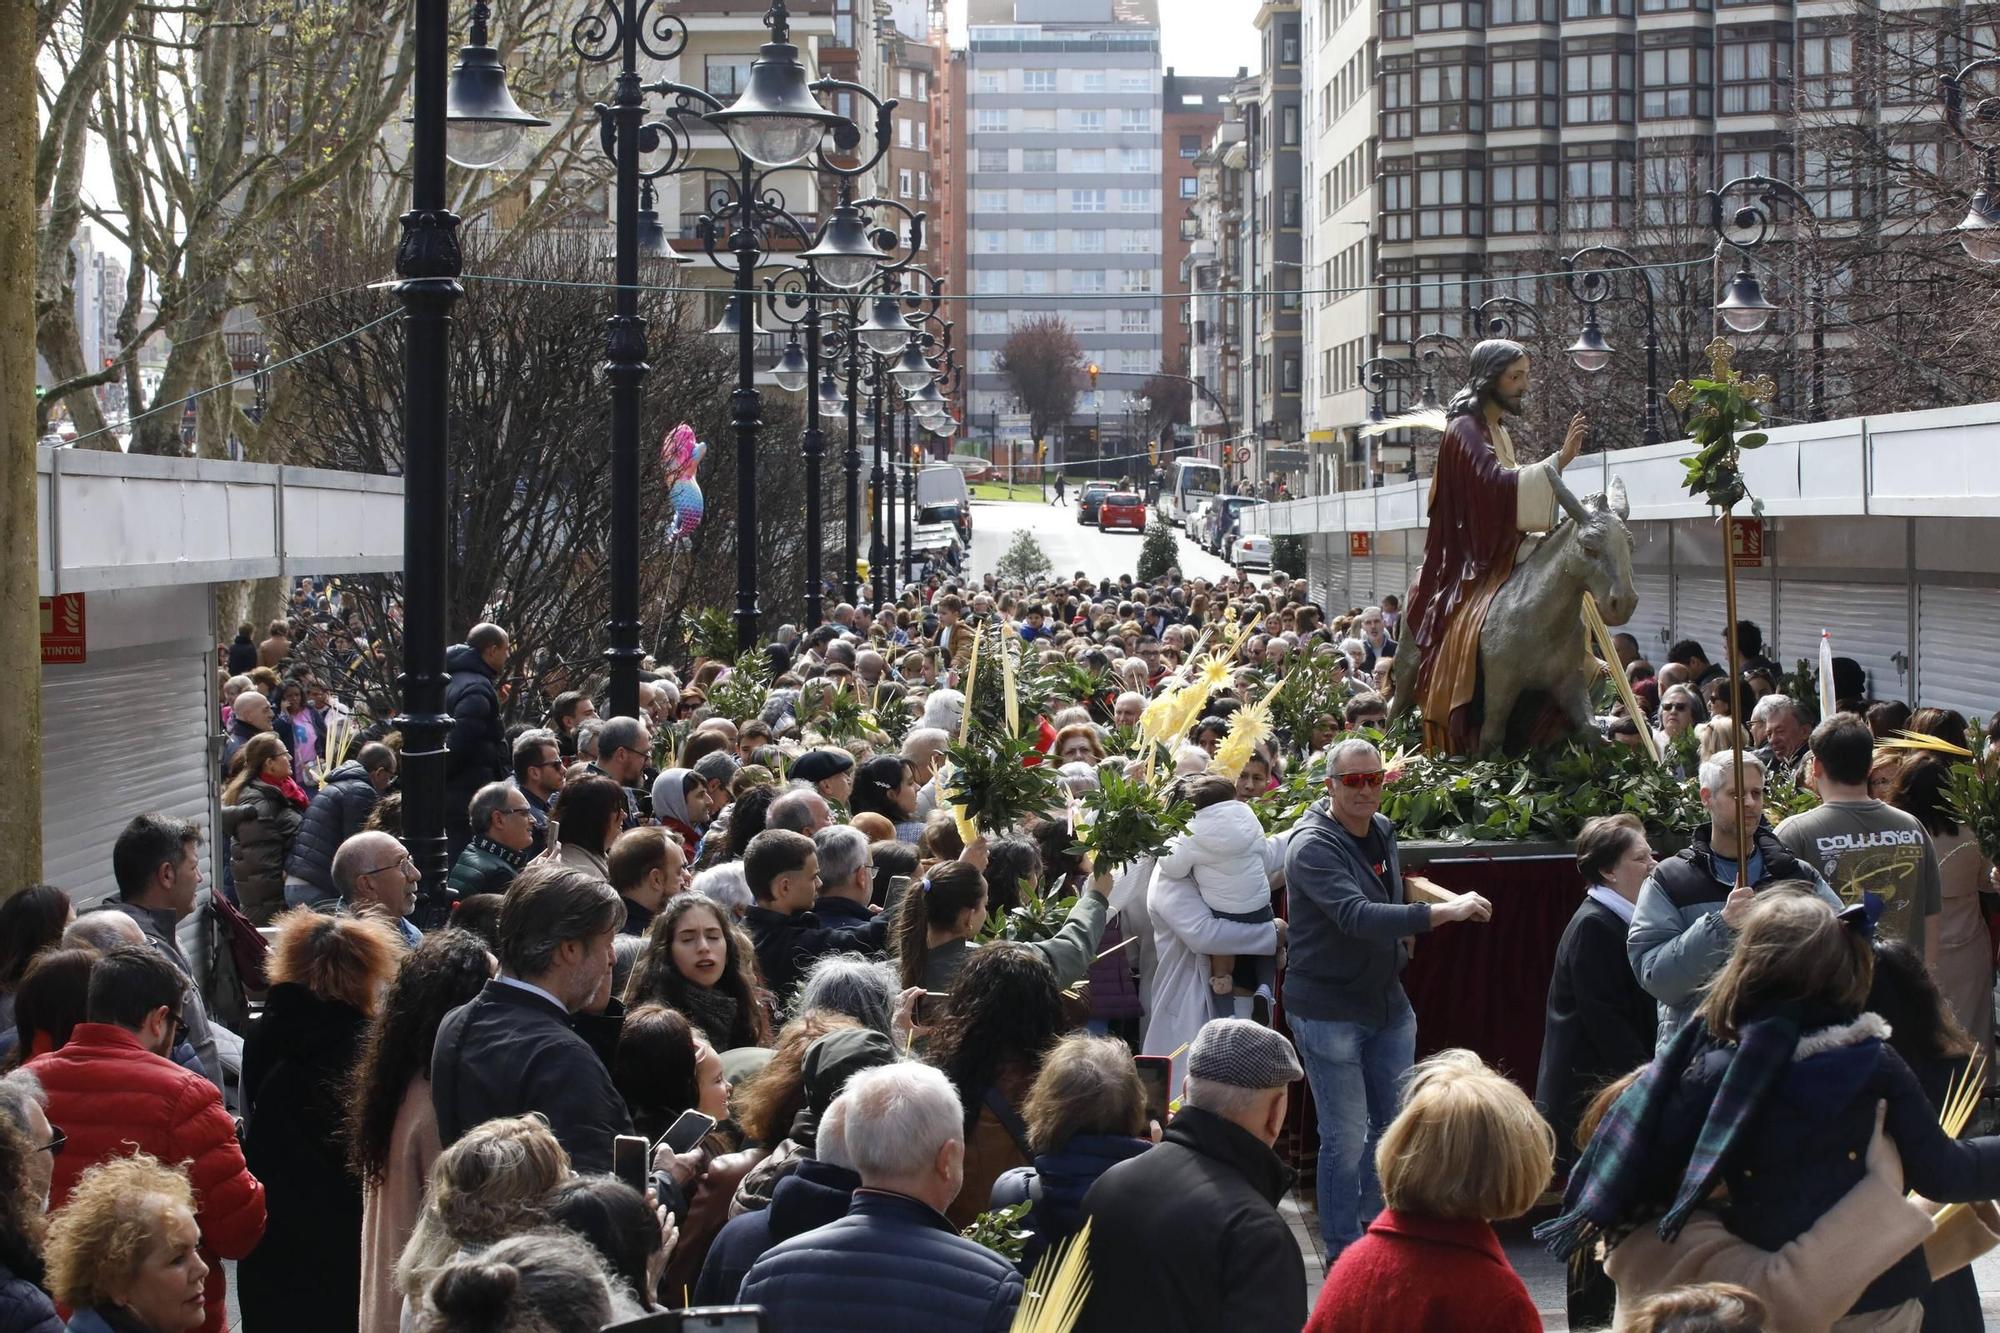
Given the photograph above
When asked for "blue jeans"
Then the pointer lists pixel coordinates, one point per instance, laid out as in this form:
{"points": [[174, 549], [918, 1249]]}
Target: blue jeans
{"points": [[1356, 1072]]}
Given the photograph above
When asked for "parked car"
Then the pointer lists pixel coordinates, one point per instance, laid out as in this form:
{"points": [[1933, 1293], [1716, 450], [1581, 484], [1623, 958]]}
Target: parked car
{"points": [[1089, 498], [942, 497], [1250, 550], [1226, 514], [1122, 509]]}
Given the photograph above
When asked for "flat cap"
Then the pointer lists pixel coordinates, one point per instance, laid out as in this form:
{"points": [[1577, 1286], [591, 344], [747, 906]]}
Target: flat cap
{"points": [[1242, 1054], [818, 765]]}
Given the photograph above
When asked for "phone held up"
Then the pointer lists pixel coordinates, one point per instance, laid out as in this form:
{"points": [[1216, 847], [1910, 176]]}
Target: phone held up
{"points": [[629, 1158], [689, 1129], [1156, 1075]]}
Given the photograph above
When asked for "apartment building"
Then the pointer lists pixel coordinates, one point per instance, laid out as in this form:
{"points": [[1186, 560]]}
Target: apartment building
{"points": [[1214, 273], [1062, 178], [1191, 109], [1274, 140]]}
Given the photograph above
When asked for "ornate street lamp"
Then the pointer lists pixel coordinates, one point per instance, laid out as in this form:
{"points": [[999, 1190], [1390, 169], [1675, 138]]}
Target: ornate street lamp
{"points": [[1499, 316], [1979, 234], [1746, 229], [777, 120], [1593, 272], [427, 269]]}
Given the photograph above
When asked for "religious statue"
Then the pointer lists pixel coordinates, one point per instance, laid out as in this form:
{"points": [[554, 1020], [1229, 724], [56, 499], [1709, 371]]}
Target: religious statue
{"points": [[1466, 675]]}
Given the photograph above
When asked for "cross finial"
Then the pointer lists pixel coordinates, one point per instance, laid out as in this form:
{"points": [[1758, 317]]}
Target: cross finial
{"points": [[1720, 353]]}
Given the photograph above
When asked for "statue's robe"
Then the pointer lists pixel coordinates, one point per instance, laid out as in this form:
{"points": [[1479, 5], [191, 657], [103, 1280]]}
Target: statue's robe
{"points": [[1481, 502]]}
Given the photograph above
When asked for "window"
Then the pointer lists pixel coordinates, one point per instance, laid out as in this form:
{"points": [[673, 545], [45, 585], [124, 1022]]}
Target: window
{"points": [[1135, 82], [1190, 229], [1451, 98], [989, 281], [903, 84], [1036, 281], [988, 82], [1087, 160], [1673, 173], [1088, 242], [1521, 193], [1394, 18], [1597, 191], [1190, 145], [1826, 66], [1288, 372], [1288, 126], [1089, 122], [725, 76], [923, 185], [923, 135], [1131, 160], [1753, 67], [1449, 15], [1038, 159], [1597, 82], [988, 241], [1737, 160], [1137, 280], [1522, 89], [1091, 81], [1086, 201], [989, 321], [1039, 241], [1672, 6], [1676, 82], [1134, 201], [990, 159], [989, 201], [904, 138], [1597, 9], [1038, 80], [1398, 97], [1450, 196], [1505, 12], [1135, 120], [1288, 208], [991, 120], [1911, 59], [1040, 120], [1087, 280], [905, 183], [1135, 321], [1831, 180], [1288, 44], [1189, 187], [1038, 201]]}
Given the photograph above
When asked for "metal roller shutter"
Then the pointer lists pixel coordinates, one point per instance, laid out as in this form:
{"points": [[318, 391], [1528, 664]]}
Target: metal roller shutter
{"points": [[1649, 621], [1958, 643], [1701, 613], [130, 726], [1869, 622]]}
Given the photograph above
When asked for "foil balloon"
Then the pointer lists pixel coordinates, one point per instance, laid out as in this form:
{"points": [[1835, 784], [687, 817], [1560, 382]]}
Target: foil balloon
{"points": [[677, 450], [688, 506], [700, 448]]}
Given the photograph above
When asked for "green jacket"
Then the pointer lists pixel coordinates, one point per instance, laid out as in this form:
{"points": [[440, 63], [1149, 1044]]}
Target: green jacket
{"points": [[484, 867]]}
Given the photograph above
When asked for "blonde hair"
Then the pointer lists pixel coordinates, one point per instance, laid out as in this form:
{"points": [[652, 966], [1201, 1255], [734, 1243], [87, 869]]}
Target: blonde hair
{"points": [[1720, 735], [98, 1240], [1791, 948], [489, 1185], [1467, 1144], [349, 960], [1704, 1307]]}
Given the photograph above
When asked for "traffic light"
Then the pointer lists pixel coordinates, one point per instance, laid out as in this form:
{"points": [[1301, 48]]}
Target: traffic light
{"points": [[1091, 370], [1228, 453]]}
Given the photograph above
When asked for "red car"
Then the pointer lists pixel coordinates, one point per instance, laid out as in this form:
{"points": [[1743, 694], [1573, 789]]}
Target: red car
{"points": [[1122, 509]]}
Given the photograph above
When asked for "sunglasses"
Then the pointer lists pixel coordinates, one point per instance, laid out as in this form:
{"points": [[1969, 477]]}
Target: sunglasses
{"points": [[1361, 781], [1676, 708]]}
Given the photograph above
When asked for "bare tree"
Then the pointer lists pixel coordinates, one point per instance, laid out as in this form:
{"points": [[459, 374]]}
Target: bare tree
{"points": [[1042, 362], [1167, 399]]}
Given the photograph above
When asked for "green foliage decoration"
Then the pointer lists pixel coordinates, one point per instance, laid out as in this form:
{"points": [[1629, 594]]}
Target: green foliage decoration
{"points": [[1025, 563], [1130, 820], [992, 778], [1158, 554]]}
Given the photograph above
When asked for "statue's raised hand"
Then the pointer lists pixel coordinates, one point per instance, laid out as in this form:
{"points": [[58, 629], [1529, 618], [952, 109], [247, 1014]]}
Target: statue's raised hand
{"points": [[1579, 427]]}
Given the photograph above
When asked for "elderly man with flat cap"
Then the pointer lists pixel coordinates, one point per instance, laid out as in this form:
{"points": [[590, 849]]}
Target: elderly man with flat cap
{"points": [[831, 773], [1187, 1235]]}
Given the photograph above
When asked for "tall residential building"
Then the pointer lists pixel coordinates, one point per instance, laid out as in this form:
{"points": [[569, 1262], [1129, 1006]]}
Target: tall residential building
{"points": [[1275, 137], [1192, 107], [1214, 273], [1062, 175], [1339, 171]]}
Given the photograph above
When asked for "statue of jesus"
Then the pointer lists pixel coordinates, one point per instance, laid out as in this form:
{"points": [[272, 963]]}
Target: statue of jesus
{"points": [[1481, 502]]}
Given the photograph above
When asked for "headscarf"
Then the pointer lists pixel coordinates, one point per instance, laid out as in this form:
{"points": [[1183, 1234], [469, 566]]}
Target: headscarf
{"points": [[670, 795]]}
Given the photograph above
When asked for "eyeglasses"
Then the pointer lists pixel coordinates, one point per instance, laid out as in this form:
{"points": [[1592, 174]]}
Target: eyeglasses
{"points": [[54, 1146], [517, 810], [1361, 781], [406, 861]]}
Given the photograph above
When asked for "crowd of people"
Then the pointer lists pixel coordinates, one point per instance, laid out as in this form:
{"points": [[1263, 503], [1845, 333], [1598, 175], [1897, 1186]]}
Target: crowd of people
{"points": [[720, 1007]]}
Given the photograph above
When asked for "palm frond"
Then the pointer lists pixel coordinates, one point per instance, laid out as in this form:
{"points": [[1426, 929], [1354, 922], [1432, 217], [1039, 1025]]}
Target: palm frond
{"points": [[1917, 740], [1423, 418], [1053, 1299]]}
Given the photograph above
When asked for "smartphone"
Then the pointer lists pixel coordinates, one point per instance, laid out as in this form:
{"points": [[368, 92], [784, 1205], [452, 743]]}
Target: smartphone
{"points": [[629, 1160], [898, 886], [1156, 1075], [929, 1008], [688, 1130], [722, 1319], [553, 842]]}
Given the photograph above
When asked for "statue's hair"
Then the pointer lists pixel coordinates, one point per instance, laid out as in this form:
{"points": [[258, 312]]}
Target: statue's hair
{"points": [[1489, 361]]}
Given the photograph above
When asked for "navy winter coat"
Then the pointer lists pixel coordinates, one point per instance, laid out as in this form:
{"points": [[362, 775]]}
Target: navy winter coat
{"points": [[476, 745], [336, 814], [24, 1306], [814, 1194], [1057, 1183], [894, 1264]]}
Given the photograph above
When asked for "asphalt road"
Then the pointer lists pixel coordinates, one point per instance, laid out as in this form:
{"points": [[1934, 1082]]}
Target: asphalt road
{"points": [[1071, 546]]}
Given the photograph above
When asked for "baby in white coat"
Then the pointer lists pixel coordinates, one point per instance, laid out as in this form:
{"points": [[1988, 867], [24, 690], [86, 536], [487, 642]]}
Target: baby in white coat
{"points": [[1230, 861]]}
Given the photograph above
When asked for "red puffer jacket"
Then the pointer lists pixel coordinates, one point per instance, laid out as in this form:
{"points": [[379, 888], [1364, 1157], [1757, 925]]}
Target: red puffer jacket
{"points": [[112, 1097]]}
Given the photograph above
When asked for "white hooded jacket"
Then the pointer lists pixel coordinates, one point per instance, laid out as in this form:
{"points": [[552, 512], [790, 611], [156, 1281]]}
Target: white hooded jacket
{"points": [[1227, 855]]}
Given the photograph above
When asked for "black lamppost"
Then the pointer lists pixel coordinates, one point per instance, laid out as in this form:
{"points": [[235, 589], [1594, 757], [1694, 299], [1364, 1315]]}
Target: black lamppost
{"points": [[1592, 281], [1746, 229], [1498, 316], [469, 117], [1375, 375], [1979, 234], [1427, 352]]}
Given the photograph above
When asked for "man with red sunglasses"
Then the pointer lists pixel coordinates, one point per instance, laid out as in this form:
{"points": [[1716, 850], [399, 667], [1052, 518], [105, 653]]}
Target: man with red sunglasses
{"points": [[1343, 993]]}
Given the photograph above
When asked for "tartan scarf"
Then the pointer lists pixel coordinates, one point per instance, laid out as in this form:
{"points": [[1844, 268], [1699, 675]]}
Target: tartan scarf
{"points": [[1609, 1180]]}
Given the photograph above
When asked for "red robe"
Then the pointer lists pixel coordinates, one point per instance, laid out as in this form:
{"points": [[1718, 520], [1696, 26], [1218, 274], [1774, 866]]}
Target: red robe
{"points": [[1469, 550]]}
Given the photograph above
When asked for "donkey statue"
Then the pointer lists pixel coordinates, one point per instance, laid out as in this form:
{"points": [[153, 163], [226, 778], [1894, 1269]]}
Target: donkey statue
{"points": [[1533, 652]]}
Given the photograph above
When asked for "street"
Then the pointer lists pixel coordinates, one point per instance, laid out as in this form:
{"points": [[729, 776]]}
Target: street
{"points": [[1072, 546]]}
